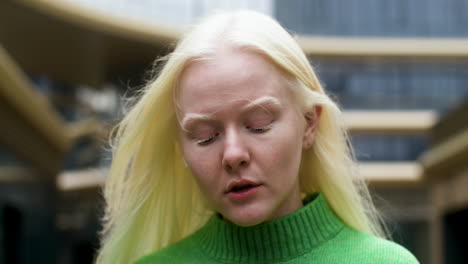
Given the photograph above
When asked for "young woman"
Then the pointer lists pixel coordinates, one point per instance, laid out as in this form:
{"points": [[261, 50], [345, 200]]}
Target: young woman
{"points": [[235, 154]]}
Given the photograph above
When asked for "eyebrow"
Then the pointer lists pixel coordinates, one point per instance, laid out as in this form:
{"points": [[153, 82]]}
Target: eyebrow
{"points": [[193, 117], [261, 101]]}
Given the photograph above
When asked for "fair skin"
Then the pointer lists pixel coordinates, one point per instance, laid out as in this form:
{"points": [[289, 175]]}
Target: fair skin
{"points": [[242, 135]]}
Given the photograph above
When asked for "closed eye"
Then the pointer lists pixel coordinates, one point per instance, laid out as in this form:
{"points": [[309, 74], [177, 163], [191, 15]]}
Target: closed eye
{"points": [[206, 141], [259, 129]]}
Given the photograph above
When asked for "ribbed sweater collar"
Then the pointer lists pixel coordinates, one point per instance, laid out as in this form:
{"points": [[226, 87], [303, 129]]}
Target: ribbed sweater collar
{"points": [[279, 240]]}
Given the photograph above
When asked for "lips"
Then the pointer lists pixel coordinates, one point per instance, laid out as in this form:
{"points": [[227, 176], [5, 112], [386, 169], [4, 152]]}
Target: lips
{"points": [[242, 189], [240, 185]]}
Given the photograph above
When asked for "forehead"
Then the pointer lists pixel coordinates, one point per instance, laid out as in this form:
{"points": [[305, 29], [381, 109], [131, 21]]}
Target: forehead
{"points": [[231, 76]]}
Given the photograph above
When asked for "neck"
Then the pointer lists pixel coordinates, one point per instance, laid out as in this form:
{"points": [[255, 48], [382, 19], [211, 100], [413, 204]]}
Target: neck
{"points": [[281, 239]]}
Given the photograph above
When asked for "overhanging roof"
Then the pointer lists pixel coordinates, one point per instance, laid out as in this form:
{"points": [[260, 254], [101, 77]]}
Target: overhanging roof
{"points": [[30, 127], [76, 44]]}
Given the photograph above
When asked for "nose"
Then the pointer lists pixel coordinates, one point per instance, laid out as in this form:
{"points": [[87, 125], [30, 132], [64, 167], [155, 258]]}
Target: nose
{"points": [[236, 154]]}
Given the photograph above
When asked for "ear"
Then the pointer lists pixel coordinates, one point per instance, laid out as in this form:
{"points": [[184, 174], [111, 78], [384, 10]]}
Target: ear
{"points": [[312, 120]]}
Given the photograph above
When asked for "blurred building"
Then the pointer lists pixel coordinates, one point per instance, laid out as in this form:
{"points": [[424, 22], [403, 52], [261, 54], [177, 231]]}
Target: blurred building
{"points": [[395, 67], [446, 170]]}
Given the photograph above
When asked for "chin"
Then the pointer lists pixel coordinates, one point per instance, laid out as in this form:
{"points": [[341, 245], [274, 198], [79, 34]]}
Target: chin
{"points": [[246, 219]]}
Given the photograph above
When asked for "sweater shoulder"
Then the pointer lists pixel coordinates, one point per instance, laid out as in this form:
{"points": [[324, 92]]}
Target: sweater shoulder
{"points": [[375, 249], [183, 251]]}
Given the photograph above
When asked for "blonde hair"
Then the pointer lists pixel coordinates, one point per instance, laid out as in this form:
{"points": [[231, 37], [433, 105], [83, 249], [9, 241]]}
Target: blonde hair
{"points": [[152, 198]]}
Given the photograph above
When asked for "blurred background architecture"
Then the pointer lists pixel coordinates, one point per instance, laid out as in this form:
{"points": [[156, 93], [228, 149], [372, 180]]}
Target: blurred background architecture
{"points": [[398, 68]]}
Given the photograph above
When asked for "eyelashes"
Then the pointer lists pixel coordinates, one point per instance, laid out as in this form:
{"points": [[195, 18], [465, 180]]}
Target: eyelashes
{"points": [[254, 129], [259, 129], [208, 140]]}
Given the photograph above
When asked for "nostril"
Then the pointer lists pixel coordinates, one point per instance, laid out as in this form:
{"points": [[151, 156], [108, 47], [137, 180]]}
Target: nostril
{"points": [[230, 167]]}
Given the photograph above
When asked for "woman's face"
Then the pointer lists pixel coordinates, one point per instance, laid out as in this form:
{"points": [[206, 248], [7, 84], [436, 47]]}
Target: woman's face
{"points": [[242, 136]]}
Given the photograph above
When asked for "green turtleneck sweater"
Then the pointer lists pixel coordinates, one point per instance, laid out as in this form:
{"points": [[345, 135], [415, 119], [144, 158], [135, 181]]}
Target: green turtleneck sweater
{"points": [[312, 234]]}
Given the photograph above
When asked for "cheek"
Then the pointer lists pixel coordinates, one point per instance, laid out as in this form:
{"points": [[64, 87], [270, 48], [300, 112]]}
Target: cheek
{"points": [[202, 164], [288, 150], [289, 157]]}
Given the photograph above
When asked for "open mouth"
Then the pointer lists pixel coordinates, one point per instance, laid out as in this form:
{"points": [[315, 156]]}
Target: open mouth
{"points": [[242, 187], [243, 191]]}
